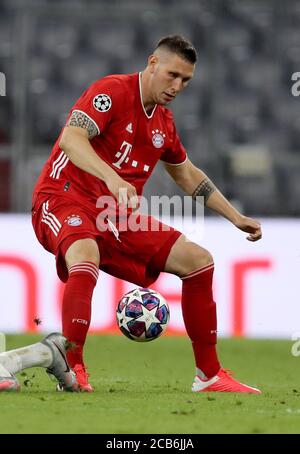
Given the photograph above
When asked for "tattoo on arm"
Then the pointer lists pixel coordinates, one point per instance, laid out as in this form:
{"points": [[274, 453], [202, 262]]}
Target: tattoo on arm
{"points": [[204, 189], [81, 120]]}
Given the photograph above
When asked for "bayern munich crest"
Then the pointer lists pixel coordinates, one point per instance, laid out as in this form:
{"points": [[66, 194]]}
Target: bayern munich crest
{"points": [[102, 102], [158, 138], [74, 220]]}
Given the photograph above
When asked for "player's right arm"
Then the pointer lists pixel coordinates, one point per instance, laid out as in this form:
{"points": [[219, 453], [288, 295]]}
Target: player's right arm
{"points": [[75, 141]]}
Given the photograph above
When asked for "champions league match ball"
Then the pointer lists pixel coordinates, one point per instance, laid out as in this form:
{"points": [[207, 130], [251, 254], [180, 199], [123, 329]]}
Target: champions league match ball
{"points": [[142, 314]]}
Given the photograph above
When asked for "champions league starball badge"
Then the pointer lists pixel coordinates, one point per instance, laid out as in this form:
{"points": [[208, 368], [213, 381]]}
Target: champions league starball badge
{"points": [[102, 102]]}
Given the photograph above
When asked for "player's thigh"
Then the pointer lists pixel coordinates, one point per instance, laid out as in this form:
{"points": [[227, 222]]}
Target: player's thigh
{"points": [[186, 257], [83, 250]]}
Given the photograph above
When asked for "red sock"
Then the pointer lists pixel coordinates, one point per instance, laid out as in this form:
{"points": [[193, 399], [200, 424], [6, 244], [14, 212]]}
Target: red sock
{"points": [[76, 307], [200, 318]]}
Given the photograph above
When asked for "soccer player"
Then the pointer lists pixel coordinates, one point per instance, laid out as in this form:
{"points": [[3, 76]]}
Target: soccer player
{"points": [[115, 134]]}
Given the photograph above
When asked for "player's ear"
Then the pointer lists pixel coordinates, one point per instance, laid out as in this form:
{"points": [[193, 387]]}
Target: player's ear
{"points": [[152, 62]]}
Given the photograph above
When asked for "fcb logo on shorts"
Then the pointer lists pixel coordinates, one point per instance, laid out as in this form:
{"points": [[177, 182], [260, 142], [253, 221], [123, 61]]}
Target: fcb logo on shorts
{"points": [[158, 138], [74, 220], [102, 102]]}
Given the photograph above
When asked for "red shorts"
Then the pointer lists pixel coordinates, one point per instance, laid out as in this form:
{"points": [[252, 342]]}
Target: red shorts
{"points": [[137, 257]]}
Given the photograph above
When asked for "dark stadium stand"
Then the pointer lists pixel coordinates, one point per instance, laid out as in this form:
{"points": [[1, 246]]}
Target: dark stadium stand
{"points": [[238, 105]]}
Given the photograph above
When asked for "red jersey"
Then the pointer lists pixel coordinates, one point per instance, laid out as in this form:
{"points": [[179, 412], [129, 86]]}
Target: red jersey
{"points": [[129, 140]]}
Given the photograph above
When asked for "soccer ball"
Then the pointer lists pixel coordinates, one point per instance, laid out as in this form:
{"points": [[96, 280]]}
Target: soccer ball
{"points": [[142, 314]]}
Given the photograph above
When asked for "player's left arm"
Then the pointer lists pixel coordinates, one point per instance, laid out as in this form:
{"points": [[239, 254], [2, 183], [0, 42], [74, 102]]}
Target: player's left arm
{"points": [[195, 182]]}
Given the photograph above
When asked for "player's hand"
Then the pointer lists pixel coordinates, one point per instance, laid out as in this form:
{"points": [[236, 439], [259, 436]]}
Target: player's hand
{"points": [[124, 192], [250, 226]]}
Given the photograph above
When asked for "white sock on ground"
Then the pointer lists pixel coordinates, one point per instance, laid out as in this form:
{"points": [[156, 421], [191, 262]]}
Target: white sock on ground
{"points": [[4, 372], [35, 355]]}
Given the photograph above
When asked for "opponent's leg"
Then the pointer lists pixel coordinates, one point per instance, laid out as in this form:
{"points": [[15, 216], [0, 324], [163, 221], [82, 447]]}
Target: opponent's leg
{"points": [[82, 260], [49, 353], [194, 265]]}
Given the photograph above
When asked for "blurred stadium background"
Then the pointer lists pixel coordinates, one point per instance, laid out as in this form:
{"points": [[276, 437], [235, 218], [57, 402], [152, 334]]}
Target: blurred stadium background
{"points": [[238, 121]]}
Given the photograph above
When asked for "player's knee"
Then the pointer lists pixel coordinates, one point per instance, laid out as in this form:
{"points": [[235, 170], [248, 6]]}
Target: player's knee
{"points": [[199, 258], [85, 250]]}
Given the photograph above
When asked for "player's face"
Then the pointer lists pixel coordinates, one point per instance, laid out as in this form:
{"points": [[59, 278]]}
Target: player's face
{"points": [[170, 75]]}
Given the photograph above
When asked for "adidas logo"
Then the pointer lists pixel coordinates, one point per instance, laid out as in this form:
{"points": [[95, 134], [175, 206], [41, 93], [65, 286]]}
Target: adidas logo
{"points": [[129, 128]]}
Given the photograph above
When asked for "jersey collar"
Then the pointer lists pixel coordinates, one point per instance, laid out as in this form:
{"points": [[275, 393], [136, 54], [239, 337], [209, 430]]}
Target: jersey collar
{"points": [[141, 98]]}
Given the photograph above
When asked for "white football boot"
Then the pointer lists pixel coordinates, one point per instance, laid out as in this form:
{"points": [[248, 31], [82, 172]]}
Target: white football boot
{"points": [[59, 368]]}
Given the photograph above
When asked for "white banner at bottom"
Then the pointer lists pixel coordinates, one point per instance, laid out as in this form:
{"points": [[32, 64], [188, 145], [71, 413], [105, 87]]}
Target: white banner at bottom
{"points": [[256, 285]]}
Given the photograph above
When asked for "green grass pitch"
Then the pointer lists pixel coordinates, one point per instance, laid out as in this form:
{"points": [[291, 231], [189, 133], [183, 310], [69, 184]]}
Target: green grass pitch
{"points": [[145, 388]]}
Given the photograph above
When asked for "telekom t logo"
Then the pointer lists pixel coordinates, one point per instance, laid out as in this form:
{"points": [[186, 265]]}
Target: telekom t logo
{"points": [[123, 154]]}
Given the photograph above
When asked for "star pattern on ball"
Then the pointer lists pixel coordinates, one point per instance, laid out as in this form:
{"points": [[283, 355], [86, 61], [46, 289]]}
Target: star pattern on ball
{"points": [[137, 295], [123, 319], [148, 317]]}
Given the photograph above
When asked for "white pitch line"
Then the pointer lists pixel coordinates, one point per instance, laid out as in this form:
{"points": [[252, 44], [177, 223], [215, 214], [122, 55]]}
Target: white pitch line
{"points": [[2, 343]]}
